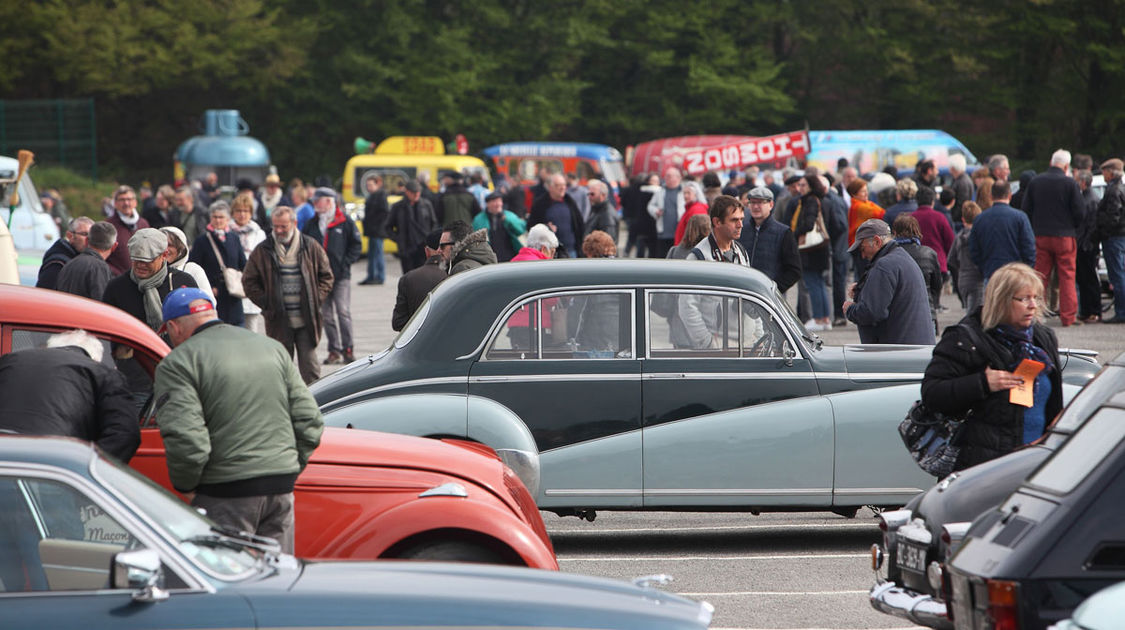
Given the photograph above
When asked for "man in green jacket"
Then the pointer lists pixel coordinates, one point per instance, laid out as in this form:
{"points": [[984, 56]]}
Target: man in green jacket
{"points": [[238, 422]]}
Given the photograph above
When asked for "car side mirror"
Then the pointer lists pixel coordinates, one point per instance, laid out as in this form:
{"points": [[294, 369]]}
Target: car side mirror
{"points": [[140, 572]]}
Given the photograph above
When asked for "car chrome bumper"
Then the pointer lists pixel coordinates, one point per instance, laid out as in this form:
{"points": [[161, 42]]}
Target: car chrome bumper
{"points": [[889, 598]]}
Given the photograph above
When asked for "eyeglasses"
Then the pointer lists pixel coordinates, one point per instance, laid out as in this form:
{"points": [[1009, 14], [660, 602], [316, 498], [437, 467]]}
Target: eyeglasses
{"points": [[81, 233], [1028, 300], [445, 244]]}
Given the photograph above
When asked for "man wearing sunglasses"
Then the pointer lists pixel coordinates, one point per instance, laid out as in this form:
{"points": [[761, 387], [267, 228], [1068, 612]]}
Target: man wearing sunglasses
{"points": [[415, 285], [63, 251]]}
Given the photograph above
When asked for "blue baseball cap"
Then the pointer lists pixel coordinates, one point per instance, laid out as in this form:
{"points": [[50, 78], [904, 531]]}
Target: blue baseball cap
{"points": [[178, 304]]}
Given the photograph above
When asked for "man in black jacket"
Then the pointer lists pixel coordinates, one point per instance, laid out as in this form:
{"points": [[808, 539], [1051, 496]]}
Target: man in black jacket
{"points": [[770, 244], [1110, 222], [88, 273], [140, 291], [83, 398], [375, 211], [412, 218], [337, 233], [414, 286], [63, 251], [1054, 205]]}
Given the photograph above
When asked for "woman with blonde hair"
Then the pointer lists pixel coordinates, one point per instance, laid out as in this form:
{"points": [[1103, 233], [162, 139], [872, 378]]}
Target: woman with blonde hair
{"points": [[974, 368]]}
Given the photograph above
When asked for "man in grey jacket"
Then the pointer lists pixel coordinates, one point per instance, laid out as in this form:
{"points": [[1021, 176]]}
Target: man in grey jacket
{"points": [[238, 423], [889, 304]]}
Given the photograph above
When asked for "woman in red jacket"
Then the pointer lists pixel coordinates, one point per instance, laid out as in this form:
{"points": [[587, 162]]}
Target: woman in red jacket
{"points": [[694, 203]]}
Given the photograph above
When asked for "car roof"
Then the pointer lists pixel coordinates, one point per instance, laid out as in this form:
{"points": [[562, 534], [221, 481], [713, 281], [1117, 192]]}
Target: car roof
{"points": [[38, 307], [63, 452], [524, 277]]}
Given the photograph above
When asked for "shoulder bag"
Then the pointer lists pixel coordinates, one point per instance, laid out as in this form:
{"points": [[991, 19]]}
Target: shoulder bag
{"points": [[817, 237], [232, 278], [932, 439]]}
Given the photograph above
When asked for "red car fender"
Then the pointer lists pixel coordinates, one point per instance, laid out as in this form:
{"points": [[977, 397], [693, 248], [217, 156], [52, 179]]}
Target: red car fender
{"points": [[427, 516]]}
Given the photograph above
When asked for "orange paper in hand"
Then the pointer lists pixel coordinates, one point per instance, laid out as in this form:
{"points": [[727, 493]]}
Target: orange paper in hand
{"points": [[1025, 394]]}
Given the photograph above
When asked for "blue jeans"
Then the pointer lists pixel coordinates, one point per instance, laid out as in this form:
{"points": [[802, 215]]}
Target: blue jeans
{"points": [[1113, 249], [376, 266], [818, 294]]}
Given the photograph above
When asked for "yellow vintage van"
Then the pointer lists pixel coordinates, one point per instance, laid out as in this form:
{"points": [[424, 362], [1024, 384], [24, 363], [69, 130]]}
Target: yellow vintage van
{"points": [[398, 159]]}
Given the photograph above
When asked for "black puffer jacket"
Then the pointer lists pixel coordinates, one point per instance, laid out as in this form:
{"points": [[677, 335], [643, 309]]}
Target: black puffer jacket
{"points": [[955, 383], [83, 399]]}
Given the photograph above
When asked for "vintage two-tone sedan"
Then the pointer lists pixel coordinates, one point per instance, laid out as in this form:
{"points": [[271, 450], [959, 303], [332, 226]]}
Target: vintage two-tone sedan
{"points": [[647, 384]]}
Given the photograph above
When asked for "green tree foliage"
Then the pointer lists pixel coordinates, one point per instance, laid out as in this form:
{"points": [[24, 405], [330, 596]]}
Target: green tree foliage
{"points": [[1016, 76]]}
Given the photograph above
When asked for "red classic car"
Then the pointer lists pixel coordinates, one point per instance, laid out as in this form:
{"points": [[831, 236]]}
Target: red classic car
{"points": [[363, 495]]}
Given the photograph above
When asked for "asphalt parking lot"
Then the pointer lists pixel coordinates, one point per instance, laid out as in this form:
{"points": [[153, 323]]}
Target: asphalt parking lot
{"points": [[787, 570]]}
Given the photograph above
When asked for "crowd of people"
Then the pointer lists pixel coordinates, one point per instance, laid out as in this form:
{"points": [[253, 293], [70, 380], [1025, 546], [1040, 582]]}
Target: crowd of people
{"points": [[878, 252]]}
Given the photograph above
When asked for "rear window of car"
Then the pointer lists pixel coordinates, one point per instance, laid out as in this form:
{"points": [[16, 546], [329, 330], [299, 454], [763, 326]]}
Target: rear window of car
{"points": [[578, 325], [1082, 453]]}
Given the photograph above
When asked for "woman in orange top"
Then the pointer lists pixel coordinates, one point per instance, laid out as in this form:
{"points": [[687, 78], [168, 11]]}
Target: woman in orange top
{"points": [[862, 209]]}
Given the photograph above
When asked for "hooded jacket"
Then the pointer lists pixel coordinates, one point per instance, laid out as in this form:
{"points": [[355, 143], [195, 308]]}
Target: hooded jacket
{"points": [[471, 252]]}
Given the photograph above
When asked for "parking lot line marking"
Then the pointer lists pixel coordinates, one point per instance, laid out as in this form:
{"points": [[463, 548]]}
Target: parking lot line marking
{"points": [[820, 556], [662, 530]]}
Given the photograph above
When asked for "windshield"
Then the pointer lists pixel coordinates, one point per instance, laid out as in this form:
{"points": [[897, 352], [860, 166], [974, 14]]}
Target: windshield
{"points": [[192, 533], [1097, 391], [794, 321], [614, 171], [414, 325]]}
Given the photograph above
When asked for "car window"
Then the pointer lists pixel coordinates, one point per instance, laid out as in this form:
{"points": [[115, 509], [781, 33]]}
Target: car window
{"points": [[124, 357], [53, 537], [689, 324], [393, 178], [1082, 453], [528, 169], [761, 334], [580, 325], [23, 339], [586, 170]]}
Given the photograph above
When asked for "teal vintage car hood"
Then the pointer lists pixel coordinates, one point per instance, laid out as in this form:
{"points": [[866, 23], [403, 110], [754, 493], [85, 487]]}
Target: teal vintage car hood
{"points": [[423, 594]]}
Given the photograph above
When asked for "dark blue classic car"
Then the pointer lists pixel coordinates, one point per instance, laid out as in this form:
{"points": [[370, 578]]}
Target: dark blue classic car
{"points": [[647, 384], [919, 539], [1057, 539], [86, 542]]}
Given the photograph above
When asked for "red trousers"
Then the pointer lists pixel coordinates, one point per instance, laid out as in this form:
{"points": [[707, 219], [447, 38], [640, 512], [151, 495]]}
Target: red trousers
{"points": [[1059, 252]]}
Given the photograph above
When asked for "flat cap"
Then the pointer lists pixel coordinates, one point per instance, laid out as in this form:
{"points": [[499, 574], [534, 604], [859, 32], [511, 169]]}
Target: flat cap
{"points": [[760, 192], [869, 228], [147, 244], [1113, 163]]}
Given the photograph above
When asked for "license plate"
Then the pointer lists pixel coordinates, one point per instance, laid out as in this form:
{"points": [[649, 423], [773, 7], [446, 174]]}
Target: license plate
{"points": [[911, 557]]}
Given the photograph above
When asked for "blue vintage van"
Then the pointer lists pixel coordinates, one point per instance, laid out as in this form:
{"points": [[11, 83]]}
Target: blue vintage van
{"points": [[873, 150], [522, 161]]}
